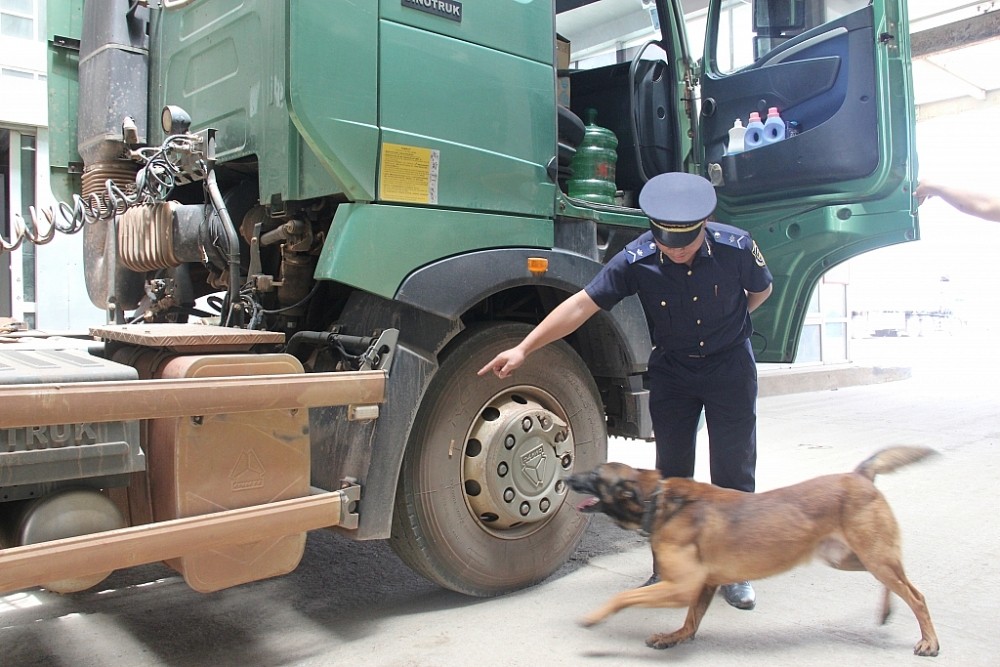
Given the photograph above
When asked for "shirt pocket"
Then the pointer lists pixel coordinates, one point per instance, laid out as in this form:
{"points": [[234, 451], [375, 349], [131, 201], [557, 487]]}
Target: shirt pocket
{"points": [[720, 301], [663, 311]]}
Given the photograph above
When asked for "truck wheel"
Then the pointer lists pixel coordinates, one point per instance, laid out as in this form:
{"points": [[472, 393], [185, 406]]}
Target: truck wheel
{"points": [[480, 506]]}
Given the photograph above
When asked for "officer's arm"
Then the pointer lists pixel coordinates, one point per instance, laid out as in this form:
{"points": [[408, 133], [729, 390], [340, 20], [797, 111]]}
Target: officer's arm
{"points": [[564, 320], [979, 204], [754, 299]]}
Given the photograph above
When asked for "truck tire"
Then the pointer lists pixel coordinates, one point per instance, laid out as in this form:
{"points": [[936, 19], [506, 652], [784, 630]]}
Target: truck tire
{"points": [[480, 505]]}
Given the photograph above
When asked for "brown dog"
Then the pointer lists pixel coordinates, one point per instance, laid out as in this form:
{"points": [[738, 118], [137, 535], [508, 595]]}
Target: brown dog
{"points": [[703, 536]]}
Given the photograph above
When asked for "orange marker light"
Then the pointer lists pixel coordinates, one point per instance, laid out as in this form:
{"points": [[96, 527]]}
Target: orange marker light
{"points": [[538, 265]]}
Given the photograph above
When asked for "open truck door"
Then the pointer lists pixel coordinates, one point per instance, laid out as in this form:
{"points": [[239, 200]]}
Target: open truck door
{"points": [[838, 72]]}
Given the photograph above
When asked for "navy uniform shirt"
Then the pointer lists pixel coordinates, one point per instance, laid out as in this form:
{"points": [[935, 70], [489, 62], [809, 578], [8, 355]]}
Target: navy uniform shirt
{"points": [[697, 310]]}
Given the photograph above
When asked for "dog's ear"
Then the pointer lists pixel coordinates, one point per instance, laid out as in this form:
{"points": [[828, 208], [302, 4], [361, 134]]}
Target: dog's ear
{"points": [[625, 504], [630, 494], [630, 489]]}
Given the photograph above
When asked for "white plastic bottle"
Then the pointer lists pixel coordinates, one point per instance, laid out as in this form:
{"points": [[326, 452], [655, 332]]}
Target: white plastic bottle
{"points": [[754, 135], [736, 138], [774, 127]]}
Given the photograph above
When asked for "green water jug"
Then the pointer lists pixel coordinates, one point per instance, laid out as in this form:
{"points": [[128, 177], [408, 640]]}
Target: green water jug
{"points": [[594, 164]]}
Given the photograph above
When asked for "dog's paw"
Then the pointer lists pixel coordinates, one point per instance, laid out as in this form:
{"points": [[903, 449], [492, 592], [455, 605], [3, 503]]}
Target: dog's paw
{"points": [[591, 620], [668, 639], [926, 648]]}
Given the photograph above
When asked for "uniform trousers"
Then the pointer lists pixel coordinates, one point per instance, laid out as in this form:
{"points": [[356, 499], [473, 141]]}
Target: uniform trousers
{"points": [[725, 386]]}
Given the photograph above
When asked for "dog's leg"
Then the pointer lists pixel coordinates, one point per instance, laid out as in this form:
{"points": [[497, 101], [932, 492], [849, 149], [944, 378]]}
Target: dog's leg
{"points": [[691, 623], [892, 576], [660, 594], [873, 535], [886, 606]]}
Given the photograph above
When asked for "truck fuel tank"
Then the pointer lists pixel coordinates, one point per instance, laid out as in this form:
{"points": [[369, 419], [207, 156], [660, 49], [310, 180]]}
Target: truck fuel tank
{"points": [[204, 464]]}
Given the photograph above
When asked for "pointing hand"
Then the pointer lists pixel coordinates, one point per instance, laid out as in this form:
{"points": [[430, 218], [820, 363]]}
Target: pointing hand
{"points": [[504, 363]]}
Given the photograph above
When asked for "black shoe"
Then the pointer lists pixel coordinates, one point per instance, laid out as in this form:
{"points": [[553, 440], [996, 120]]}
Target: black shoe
{"points": [[740, 595], [653, 579]]}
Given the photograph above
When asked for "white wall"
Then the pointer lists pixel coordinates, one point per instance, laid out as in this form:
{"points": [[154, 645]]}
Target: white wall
{"points": [[23, 101], [954, 264], [61, 300]]}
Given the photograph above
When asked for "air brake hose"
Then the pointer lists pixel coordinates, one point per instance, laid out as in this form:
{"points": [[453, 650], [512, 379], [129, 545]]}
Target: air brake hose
{"points": [[232, 240]]}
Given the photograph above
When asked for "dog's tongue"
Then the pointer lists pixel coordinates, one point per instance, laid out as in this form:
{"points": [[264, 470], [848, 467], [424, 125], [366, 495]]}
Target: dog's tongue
{"points": [[587, 504]]}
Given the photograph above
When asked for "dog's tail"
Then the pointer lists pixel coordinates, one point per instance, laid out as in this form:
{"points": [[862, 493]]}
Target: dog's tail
{"points": [[891, 460]]}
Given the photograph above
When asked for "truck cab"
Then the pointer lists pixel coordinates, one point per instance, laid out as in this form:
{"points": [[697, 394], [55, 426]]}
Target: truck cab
{"points": [[382, 196]]}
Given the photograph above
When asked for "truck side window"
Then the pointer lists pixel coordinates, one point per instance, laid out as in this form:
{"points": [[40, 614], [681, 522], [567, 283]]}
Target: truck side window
{"points": [[747, 32]]}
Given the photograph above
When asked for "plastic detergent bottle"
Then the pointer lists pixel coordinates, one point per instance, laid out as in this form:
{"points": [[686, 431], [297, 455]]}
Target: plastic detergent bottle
{"points": [[736, 138], [754, 136], [593, 164], [774, 127]]}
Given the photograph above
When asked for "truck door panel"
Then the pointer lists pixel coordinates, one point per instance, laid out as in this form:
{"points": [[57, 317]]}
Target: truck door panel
{"points": [[840, 187], [824, 80]]}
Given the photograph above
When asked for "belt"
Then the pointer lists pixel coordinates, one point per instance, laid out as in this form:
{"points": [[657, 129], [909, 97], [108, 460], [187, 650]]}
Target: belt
{"points": [[701, 355]]}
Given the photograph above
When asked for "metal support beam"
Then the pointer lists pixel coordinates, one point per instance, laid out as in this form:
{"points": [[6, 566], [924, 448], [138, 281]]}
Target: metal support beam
{"points": [[35, 564], [83, 402], [953, 36], [957, 106]]}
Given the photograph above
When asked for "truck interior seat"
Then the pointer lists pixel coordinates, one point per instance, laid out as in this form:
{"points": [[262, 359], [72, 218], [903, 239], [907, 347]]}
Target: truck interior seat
{"points": [[570, 130]]}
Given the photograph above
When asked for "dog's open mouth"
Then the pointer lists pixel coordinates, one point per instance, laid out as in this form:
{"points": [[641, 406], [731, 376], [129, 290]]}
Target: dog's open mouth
{"points": [[590, 504]]}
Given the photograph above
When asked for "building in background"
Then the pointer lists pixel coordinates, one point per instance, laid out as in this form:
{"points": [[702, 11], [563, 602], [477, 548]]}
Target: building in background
{"points": [[41, 286], [23, 116]]}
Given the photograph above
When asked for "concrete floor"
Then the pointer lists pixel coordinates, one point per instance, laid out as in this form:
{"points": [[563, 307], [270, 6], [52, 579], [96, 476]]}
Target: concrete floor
{"points": [[355, 604]]}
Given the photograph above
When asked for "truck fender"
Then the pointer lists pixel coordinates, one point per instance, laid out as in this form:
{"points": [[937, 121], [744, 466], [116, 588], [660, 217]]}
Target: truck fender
{"points": [[428, 317], [488, 272]]}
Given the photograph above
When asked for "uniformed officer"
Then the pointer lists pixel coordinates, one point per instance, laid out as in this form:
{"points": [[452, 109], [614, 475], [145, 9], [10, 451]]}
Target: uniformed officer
{"points": [[698, 282]]}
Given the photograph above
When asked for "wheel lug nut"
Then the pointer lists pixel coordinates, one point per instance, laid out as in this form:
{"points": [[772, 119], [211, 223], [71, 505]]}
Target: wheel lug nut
{"points": [[544, 504], [502, 469], [526, 424], [525, 508], [567, 461], [543, 421], [509, 442], [508, 494], [560, 486]]}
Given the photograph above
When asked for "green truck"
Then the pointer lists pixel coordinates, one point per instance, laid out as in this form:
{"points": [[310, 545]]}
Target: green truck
{"points": [[310, 222]]}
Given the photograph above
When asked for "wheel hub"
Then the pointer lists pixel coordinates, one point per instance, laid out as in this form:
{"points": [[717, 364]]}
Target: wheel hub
{"points": [[516, 456]]}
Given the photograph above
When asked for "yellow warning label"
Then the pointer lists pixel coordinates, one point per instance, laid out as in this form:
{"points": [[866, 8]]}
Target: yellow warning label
{"points": [[410, 173]]}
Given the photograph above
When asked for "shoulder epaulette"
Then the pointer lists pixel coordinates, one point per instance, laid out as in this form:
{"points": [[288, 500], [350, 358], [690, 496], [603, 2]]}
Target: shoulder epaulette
{"points": [[640, 249], [729, 235], [735, 237]]}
